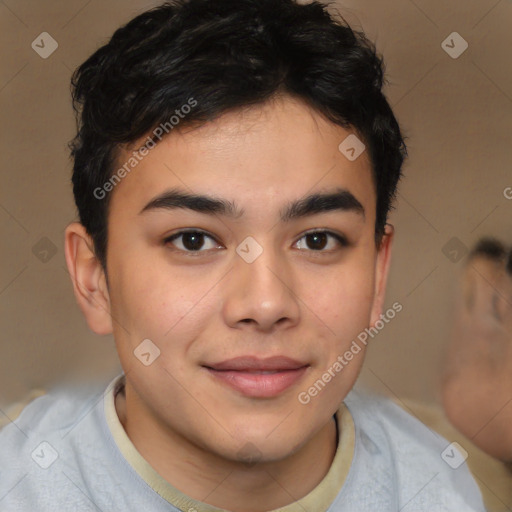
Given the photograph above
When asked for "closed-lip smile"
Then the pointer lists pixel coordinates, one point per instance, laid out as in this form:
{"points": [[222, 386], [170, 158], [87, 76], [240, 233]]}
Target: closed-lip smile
{"points": [[258, 378]]}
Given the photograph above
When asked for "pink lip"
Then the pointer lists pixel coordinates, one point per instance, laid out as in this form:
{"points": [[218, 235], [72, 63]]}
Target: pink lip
{"points": [[245, 374]]}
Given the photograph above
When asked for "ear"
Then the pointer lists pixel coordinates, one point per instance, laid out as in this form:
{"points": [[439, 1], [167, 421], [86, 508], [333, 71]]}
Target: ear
{"points": [[88, 277], [381, 272]]}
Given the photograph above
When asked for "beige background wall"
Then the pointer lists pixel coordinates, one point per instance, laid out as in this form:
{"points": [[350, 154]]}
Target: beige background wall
{"points": [[457, 114]]}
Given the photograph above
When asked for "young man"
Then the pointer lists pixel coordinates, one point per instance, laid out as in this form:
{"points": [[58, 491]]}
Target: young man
{"points": [[233, 171]]}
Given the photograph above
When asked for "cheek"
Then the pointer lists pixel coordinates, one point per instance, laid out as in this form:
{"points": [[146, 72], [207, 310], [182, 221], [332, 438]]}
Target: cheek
{"points": [[345, 301], [145, 299], [161, 304]]}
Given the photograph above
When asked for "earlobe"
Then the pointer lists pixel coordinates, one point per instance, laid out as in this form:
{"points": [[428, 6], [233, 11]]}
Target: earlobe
{"points": [[382, 265], [88, 278]]}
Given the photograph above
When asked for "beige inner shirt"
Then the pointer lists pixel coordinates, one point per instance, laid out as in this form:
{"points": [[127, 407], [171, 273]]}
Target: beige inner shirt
{"points": [[320, 498]]}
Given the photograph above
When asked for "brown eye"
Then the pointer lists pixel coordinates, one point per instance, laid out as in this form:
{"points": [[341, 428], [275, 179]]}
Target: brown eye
{"points": [[191, 241], [317, 241]]}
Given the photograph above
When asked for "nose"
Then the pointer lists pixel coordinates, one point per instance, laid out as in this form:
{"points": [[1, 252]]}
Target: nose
{"points": [[260, 295]]}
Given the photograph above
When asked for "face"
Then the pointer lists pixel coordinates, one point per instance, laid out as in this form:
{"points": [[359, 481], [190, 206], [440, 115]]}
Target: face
{"points": [[248, 300]]}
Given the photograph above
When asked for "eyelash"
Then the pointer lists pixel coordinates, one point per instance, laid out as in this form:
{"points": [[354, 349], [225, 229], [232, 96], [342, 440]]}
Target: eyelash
{"points": [[342, 241]]}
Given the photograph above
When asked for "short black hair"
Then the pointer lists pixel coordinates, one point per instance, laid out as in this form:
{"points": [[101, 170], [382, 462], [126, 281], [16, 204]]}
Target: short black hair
{"points": [[219, 56]]}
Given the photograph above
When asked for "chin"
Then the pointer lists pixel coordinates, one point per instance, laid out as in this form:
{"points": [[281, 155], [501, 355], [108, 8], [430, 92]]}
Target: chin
{"points": [[251, 453], [252, 449]]}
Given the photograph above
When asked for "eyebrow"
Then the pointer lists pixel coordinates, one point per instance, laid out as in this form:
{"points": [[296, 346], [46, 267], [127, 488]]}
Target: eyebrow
{"points": [[339, 199]]}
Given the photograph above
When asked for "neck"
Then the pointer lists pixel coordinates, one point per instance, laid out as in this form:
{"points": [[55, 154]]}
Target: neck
{"points": [[223, 483]]}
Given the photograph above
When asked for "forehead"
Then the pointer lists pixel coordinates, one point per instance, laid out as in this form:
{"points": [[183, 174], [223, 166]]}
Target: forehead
{"points": [[258, 158]]}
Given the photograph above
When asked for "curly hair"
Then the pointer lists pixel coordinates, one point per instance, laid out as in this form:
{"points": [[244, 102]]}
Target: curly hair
{"points": [[226, 55]]}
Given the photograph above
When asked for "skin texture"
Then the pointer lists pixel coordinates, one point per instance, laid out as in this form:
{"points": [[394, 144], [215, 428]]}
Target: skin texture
{"points": [[293, 300], [477, 385]]}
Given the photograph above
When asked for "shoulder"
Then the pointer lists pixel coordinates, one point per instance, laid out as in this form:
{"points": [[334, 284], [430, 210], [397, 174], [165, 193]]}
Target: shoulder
{"points": [[53, 411], [429, 470], [35, 447]]}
